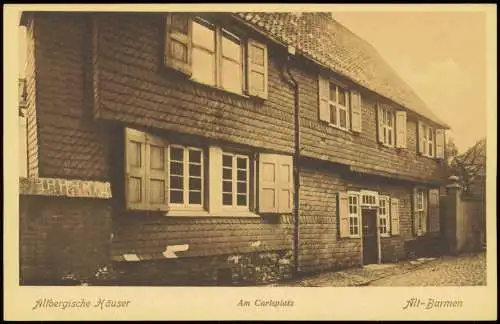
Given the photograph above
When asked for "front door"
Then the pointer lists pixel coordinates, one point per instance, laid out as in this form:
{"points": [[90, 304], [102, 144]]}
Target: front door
{"points": [[370, 248]]}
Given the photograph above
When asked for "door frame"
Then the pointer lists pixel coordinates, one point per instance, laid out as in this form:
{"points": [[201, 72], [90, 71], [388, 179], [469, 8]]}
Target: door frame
{"points": [[377, 229]]}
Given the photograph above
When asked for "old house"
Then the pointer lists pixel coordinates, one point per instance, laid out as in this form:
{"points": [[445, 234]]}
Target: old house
{"points": [[238, 148]]}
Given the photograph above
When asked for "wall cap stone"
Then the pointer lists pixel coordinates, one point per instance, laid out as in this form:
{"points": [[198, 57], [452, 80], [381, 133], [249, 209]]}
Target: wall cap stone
{"points": [[64, 188]]}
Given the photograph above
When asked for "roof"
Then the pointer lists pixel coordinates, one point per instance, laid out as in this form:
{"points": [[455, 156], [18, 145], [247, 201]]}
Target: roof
{"points": [[320, 38]]}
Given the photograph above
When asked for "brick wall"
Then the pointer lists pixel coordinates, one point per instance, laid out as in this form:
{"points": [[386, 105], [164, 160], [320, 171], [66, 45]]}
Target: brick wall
{"points": [[61, 237], [359, 150]]}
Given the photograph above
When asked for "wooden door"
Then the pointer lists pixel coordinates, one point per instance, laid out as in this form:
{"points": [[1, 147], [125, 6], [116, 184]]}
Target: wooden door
{"points": [[370, 248]]}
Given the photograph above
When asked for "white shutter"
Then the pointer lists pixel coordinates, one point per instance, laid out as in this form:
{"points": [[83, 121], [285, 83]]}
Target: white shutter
{"points": [[421, 137], [178, 42], [355, 111], [394, 216], [343, 214], [268, 193], [257, 69], [440, 143], [434, 210], [135, 169], [156, 173], [285, 184], [401, 129], [380, 132], [215, 176], [323, 95]]}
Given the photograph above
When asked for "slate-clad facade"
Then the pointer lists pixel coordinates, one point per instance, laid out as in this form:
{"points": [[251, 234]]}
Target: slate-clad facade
{"points": [[200, 156]]}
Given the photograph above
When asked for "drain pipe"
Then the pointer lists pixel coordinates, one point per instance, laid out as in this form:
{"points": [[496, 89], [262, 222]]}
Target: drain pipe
{"points": [[292, 82]]}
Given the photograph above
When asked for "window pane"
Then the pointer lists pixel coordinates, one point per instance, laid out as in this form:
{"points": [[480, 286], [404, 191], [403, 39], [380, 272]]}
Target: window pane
{"points": [[241, 200], [194, 184], [333, 93], [227, 161], [231, 76], [257, 80], [241, 163], [134, 154], [343, 120], [389, 136], [242, 187], [194, 156], [203, 36], [389, 119], [342, 98], [176, 197], [227, 186], [231, 47], [176, 154], [333, 114], [157, 157], [176, 168], [176, 182], [242, 175], [203, 66], [257, 55], [430, 133], [227, 199], [194, 170], [227, 173], [195, 197]]}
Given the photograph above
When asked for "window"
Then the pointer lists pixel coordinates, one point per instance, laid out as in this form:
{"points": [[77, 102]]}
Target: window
{"points": [[354, 214], [420, 213], [427, 141], [369, 198], [213, 55], [186, 176], [338, 102], [383, 212], [235, 180], [386, 125]]}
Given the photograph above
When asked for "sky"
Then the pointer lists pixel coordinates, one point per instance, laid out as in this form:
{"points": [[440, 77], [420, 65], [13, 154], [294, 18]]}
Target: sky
{"points": [[441, 55]]}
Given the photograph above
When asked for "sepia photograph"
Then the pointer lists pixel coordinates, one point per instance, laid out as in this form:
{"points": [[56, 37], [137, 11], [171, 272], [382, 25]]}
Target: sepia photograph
{"points": [[264, 148]]}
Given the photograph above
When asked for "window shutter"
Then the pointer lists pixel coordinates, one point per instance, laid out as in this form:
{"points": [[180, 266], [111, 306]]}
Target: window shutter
{"points": [[257, 69], [215, 176], [434, 210], [178, 42], [401, 129], [440, 143], [420, 135], [394, 216], [135, 169], [156, 173], [415, 216], [285, 184], [343, 213], [323, 95], [380, 129], [355, 111], [268, 193]]}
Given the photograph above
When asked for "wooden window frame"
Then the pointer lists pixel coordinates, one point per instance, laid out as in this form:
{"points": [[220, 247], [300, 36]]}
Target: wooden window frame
{"points": [[385, 127], [354, 218], [234, 181], [421, 211], [385, 230], [338, 107]]}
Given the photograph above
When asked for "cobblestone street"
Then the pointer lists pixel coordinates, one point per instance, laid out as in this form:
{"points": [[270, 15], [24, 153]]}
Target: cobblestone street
{"points": [[467, 270], [464, 270]]}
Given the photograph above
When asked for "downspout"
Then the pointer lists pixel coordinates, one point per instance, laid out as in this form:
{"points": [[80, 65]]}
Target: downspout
{"points": [[292, 82]]}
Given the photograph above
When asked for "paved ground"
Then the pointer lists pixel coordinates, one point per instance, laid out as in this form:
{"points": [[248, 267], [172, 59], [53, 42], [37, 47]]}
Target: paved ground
{"points": [[465, 270]]}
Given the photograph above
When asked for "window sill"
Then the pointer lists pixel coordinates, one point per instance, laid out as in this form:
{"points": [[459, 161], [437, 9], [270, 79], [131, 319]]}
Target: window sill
{"points": [[213, 87], [385, 235], [205, 213], [347, 130]]}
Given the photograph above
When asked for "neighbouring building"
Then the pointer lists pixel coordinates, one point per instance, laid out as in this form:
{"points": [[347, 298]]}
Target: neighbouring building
{"points": [[236, 148]]}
